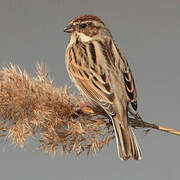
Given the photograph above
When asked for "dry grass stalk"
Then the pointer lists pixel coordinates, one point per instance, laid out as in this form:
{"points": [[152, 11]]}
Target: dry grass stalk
{"points": [[33, 107]]}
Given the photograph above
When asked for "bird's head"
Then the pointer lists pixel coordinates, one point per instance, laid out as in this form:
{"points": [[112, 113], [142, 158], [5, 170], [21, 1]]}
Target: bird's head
{"points": [[86, 27]]}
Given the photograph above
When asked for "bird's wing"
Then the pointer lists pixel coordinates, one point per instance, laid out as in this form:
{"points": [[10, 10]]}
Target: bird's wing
{"points": [[89, 75], [128, 79]]}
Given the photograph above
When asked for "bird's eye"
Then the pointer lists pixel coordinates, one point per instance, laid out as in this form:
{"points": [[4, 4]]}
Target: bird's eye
{"points": [[83, 26]]}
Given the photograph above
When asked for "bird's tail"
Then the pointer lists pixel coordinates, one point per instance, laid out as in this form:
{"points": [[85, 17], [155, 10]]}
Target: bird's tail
{"points": [[127, 144]]}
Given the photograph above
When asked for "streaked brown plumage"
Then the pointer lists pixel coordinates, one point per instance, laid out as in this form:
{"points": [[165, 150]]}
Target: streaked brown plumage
{"points": [[102, 74]]}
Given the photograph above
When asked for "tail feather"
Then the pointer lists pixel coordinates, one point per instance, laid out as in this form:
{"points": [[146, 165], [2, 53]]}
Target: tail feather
{"points": [[122, 141], [127, 145], [135, 148]]}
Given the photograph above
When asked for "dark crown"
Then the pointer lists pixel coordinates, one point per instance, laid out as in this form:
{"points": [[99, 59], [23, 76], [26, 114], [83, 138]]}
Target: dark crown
{"points": [[86, 17]]}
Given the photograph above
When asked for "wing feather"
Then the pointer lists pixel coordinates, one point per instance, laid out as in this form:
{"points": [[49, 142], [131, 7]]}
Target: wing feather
{"points": [[128, 79], [86, 68], [90, 77]]}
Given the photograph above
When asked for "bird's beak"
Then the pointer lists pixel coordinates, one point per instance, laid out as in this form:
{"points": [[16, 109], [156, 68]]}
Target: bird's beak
{"points": [[69, 29]]}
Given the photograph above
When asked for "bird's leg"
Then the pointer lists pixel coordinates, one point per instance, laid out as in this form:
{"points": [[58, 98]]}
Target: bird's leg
{"points": [[84, 107], [135, 115]]}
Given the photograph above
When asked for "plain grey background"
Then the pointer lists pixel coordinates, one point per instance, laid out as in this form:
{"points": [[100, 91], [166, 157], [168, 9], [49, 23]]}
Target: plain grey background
{"points": [[148, 31]]}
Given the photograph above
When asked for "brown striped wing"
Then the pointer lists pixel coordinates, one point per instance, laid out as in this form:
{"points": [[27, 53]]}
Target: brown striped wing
{"points": [[116, 59], [88, 73], [128, 80]]}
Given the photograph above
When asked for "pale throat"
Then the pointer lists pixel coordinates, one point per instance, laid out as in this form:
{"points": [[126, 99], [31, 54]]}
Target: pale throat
{"points": [[84, 38], [80, 37]]}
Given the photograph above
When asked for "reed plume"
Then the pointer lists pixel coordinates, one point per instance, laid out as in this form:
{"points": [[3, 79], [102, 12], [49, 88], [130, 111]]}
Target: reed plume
{"points": [[34, 107]]}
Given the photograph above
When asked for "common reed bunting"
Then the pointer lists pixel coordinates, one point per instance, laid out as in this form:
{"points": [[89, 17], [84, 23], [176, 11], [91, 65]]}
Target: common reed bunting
{"points": [[101, 72]]}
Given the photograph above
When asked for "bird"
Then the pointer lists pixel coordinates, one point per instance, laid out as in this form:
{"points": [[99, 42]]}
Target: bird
{"points": [[100, 71]]}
